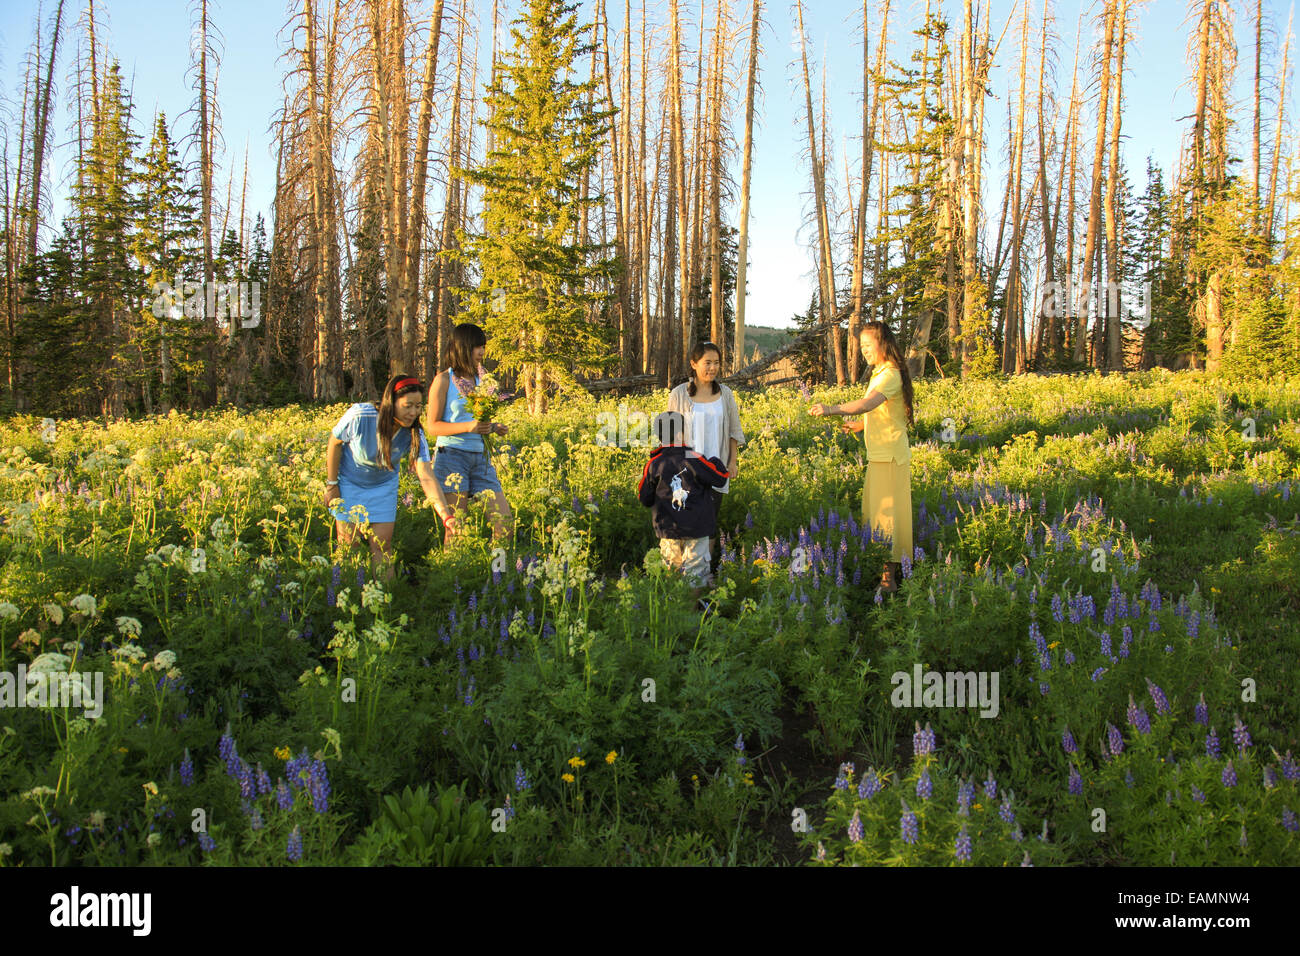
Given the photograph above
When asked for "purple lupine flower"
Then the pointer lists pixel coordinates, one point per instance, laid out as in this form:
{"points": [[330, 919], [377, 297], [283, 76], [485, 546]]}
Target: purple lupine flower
{"points": [[963, 845], [1069, 656], [283, 795], [1270, 778], [206, 842], [1004, 810], [869, 785], [510, 810], [910, 828], [521, 779], [1096, 675], [1138, 717], [990, 787], [1289, 821], [855, 827], [1067, 741], [1212, 744], [1115, 739], [228, 752], [1044, 688], [1198, 794], [1128, 779], [1229, 775], [1202, 712], [256, 822], [923, 740], [294, 848], [1057, 615], [1105, 644], [187, 770], [1194, 625], [1240, 736], [842, 781], [965, 795], [263, 781], [1290, 768], [318, 785], [924, 786], [1158, 696], [1076, 781]]}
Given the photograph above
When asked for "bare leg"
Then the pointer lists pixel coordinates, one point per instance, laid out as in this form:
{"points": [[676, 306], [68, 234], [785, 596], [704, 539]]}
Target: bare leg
{"points": [[502, 517]]}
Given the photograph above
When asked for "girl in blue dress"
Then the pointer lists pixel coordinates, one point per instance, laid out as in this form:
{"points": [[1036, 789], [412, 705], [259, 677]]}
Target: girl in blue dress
{"points": [[363, 468], [462, 465]]}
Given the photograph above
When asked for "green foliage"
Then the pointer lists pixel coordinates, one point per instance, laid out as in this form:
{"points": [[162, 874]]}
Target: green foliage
{"points": [[540, 279], [447, 830]]}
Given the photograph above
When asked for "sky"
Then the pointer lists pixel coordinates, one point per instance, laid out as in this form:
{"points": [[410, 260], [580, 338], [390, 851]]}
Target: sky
{"points": [[151, 41]]}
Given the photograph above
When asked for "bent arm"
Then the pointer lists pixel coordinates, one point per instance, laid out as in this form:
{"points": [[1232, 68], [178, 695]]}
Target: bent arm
{"points": [[438, 405], [432, 490], [333, 460]]}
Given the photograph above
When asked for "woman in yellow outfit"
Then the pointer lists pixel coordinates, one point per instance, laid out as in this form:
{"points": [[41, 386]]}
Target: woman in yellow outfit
{"points": [[887, 408]]}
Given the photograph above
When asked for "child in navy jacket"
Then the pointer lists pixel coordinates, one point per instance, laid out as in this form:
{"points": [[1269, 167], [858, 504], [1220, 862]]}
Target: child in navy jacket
{"points": [[675, 485]]}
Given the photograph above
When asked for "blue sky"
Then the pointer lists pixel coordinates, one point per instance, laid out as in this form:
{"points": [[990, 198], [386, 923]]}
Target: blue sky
{"points": [[151, 41]]}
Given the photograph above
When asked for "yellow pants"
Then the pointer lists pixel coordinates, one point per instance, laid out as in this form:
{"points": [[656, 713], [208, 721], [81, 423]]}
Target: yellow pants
{"points": [[887, 503]]}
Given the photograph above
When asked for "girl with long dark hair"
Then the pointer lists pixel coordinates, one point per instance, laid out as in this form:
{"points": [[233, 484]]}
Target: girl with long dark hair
{"points": [[886, 415], [462, 464], [712, 421], [363, 468]]}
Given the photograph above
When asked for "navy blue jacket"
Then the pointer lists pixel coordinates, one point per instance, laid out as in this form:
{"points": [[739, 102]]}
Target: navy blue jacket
{"points": [[677, 487]]}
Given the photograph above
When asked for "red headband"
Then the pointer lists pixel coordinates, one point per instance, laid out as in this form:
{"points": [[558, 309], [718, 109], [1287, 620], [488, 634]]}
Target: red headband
{"points": [[397, 386]]}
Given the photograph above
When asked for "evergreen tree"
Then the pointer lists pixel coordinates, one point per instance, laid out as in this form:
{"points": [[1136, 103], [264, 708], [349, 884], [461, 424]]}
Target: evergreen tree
{"points": [[538, 283], [165, 248], [912, 275], [106, 210], [57, 357]]}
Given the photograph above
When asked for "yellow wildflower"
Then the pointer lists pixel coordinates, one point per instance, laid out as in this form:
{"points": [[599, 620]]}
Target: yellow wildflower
{"points": [[283, 753], [577, 762], [150, 788], [611, 756], [1054, 645], [567, 777]]}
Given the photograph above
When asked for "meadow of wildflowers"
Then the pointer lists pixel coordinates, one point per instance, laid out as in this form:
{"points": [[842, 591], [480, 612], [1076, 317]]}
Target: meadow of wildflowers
{"points": [[1123, 551]]}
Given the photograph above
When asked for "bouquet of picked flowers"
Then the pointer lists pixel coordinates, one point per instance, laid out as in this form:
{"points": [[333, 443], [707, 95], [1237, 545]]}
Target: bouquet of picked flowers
{"points": [[483, 400]]}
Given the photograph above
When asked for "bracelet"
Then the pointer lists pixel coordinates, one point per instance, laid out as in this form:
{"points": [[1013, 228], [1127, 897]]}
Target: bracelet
{"points": [[334, 483]]}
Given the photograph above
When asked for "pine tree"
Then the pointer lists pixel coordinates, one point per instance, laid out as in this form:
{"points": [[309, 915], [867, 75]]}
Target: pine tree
{"points": [[106, 210], [165, 248], [913, 278], [538, 280]]}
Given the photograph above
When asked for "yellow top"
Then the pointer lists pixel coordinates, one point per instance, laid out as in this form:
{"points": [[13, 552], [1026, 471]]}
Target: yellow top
{"points": [[885, 426]]}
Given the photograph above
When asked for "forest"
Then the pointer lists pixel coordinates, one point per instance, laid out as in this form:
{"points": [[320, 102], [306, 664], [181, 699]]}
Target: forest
{"points": [[395, 186]]}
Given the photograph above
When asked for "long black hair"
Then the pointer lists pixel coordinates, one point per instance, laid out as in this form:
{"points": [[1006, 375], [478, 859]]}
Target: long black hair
{"points": [[465, 338], [889, 345], [388, 418], [701, 349]]}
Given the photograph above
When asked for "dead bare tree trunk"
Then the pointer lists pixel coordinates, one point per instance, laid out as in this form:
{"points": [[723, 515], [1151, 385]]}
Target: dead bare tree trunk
{"points": [[751, 83], [1094, 201]]}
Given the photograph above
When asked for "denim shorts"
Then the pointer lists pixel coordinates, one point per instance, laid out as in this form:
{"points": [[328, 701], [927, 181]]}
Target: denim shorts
{"points": [[476, 472]]}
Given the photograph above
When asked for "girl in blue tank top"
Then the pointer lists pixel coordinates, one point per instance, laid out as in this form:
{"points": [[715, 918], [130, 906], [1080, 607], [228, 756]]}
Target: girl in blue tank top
{"points": [[462, 465]]}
